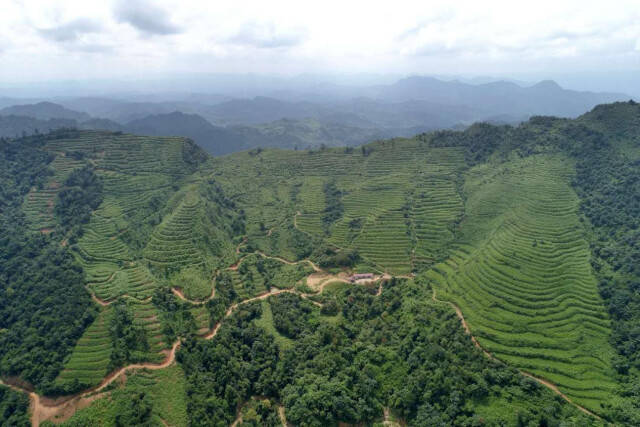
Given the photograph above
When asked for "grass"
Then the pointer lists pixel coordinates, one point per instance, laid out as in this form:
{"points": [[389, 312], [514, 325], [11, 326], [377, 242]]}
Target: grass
{"points": [[249, 284], [193, 282], [147, 316], [39, 203], [336, 287], [513, 402], [91, 356], [171, 245], [523, 280], [202, 319], [256, 274]]}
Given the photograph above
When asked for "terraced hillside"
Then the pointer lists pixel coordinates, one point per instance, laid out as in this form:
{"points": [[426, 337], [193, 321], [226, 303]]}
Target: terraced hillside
{"points": [[384, 196], [208, 280], [502, 240], [139, 176], [90, 358], [523, 281], [39, 202]]}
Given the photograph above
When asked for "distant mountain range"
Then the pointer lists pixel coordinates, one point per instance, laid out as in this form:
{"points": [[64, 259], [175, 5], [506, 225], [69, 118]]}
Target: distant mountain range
{"points": [[44, 111], [544, 98], [14, 126], [335, 115], [283, 133]]}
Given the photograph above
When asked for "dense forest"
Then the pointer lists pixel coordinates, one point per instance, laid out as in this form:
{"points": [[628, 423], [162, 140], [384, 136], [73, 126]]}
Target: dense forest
{"points": [[44, 307], [399, 350], [13, 407]]}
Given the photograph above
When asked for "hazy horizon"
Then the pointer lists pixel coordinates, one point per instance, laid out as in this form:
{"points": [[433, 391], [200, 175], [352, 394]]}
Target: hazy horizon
{"points": [[626, 83]]}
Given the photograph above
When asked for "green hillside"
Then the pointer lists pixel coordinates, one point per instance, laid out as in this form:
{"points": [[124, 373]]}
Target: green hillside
{"points": [[523, 278], [146, 248]]}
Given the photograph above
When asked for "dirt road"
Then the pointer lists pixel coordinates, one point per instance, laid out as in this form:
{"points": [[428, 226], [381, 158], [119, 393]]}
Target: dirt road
{"points": [[542, 381], [62, 408]]}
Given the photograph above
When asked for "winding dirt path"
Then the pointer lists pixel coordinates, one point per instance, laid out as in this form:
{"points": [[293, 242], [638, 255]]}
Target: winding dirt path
{"points": [[283, 417], [99, 301], [62, 408], [233, 307], [235, 265], [542, 381], [242, 243], [105, 303], [178, 292], [286, 261]]}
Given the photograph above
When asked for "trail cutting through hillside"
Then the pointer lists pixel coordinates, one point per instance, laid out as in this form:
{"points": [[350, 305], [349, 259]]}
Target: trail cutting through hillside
{"points": [[236, 265], [60, 409], [542, 381], [180, 294]]}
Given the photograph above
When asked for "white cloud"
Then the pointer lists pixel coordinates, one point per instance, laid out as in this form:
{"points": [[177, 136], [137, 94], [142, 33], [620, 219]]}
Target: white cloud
{"points": [[70, 31], [145, 16], [267, 36], [71, 38]]}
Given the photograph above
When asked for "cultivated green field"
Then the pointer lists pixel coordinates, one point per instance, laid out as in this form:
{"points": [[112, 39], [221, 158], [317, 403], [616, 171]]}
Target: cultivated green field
{"points": [[137, 241], [90, 358], [522, 278], [399, 205]]}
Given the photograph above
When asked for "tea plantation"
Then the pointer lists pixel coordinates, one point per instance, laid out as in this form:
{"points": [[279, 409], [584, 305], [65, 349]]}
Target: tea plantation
{"points": [[498, 280]]}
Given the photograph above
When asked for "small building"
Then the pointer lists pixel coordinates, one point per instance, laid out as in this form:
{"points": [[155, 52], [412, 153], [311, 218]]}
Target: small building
{"points": [[360, 276]]}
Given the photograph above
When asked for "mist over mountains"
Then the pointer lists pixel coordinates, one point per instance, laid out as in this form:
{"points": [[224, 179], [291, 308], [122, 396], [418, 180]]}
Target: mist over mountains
{"points": [[305, 115]]}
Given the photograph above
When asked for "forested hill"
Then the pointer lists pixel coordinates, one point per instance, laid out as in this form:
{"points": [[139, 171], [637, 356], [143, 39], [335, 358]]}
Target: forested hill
{"points": [[120, 251]]}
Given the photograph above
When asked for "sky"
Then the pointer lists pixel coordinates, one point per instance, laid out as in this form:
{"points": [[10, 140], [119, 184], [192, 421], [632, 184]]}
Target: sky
{"points": [[43, 41]]}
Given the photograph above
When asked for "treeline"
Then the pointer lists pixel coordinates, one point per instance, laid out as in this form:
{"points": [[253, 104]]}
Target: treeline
{"points": [[82, 193], [333, 205], [608, 183], [44, 307], [177, 320], [292, 315]]}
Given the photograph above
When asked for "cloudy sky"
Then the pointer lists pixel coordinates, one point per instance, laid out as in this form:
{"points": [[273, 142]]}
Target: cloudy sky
{"points": [[43, 40]]}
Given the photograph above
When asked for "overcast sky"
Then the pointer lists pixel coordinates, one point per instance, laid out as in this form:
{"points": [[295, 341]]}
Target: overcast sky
{"points": [[43, 40]]}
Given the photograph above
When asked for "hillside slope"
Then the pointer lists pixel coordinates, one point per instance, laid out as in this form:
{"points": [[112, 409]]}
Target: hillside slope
{"points": [[504, 239]]}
